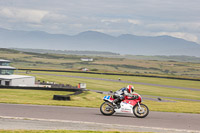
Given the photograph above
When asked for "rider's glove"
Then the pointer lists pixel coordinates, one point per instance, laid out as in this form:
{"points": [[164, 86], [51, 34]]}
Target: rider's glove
{"points": [[136, 96], [133, 97]]}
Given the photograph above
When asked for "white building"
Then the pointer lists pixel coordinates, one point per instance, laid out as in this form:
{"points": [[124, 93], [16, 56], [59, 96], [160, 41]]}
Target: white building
{"points": [[87, 59], [17, 80], [8, 79]]}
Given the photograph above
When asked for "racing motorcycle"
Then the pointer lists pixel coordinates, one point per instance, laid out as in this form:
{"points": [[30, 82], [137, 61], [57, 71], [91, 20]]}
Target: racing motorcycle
{"points": [[126, 106]]}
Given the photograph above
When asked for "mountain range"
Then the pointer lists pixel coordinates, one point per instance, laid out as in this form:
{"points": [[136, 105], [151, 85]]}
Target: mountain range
{"points": [[97, 41]]}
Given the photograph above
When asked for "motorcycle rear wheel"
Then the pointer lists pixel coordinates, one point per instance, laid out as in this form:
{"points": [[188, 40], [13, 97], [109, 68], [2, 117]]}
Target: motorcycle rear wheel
{"points": [[107, 108], [141, 112]]}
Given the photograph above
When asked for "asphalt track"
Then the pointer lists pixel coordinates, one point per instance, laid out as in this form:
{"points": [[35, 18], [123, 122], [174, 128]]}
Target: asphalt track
{"points": [[19, 116]]}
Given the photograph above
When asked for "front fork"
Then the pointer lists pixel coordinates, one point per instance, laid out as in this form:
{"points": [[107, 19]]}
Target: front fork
{"points": [[139, 105], [140, 109]]}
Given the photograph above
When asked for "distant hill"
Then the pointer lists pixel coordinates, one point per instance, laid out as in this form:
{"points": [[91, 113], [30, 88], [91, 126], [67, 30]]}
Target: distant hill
{"points": [[96, 41], [176, 58], [68, 52]]}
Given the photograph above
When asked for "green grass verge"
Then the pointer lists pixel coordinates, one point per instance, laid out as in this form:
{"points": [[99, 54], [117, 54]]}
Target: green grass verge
{"points": [[160, 81], [141, 89], [40, 97], [61, 131], [29, 96]]}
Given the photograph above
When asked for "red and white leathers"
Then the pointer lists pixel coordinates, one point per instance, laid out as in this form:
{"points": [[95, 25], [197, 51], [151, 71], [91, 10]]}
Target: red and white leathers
{"points": [[120, 94]]}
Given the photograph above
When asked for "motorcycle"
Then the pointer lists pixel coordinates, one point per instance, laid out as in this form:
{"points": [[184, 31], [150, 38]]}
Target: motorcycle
{"points": [[126, 106]]}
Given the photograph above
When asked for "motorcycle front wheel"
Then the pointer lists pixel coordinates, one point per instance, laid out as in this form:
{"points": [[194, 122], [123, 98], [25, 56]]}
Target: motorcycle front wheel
{"points": [[141, 111], [107, 108]]}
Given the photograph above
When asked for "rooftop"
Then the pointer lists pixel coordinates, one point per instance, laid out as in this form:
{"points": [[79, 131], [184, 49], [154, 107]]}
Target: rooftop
{"points": [[7, 67], [2, 60], [14, 76]]}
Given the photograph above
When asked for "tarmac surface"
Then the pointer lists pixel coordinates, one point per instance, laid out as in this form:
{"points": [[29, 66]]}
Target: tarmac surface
{"points": [[42, 117]]}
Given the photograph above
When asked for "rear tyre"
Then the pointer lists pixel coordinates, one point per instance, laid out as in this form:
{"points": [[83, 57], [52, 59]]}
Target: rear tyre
{"points": [[107, 108], [141, 112]]}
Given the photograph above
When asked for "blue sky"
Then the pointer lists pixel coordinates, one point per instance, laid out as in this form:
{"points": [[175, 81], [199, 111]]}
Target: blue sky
{"points": [[178, 18]]}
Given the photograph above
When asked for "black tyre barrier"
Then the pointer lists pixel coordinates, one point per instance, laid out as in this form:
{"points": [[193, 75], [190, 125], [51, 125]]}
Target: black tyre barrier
{"points": [[66, 97], [61, 97]]}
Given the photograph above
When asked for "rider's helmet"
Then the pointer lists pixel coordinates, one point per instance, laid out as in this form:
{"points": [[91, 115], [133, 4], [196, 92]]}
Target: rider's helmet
{"points": [[130, 89]]}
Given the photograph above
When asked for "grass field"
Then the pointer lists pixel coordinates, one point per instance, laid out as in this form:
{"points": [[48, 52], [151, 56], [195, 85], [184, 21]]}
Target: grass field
{"points": [[103, 64], [29, 96], [160, 81], [142, 89]]}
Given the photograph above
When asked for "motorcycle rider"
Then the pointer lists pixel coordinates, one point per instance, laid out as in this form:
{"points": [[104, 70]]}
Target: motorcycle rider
{"points": [[121, 93]]}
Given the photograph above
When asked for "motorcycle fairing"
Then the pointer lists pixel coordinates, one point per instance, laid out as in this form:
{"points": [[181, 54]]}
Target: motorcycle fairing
{"points": [[125, 108], [108, 98]]}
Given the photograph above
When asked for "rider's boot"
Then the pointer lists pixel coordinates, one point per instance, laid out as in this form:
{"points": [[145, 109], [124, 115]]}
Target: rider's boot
{"points": [[116, 103]]}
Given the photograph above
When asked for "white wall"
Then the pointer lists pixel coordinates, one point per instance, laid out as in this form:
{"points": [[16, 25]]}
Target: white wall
{"points": [[87, 59], [28, 81], [3, 81]]}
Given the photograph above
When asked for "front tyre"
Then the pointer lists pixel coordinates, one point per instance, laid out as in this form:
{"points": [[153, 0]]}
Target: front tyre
{"points": [[107, 108], [141, 112]]}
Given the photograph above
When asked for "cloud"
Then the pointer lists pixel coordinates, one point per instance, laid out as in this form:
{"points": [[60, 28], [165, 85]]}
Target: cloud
{"points": [[178, 18], [54, 17], [174, 26], [186, 30], [132, 21], [111, 20], [121, 20], [186, 36], [22, 15]]}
